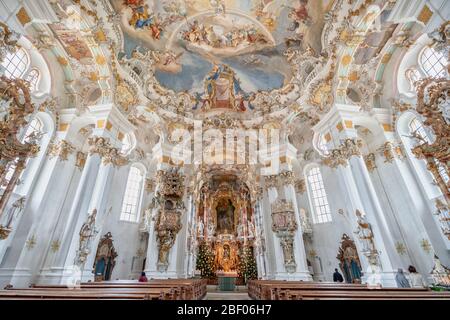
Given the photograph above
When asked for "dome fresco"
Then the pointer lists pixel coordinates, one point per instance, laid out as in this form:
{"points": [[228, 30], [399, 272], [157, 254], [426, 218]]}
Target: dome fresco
{"points": [[239, 42]]}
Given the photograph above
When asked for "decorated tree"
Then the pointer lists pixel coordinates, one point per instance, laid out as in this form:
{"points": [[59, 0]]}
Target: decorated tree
{"points": [[247, 265], [205, 261]]}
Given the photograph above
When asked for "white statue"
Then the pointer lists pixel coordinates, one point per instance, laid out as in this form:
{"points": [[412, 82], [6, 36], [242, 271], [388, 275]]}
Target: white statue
{"points": [[201, 228], [211, 228], [240, 231], [250, 229], [364, 232]]}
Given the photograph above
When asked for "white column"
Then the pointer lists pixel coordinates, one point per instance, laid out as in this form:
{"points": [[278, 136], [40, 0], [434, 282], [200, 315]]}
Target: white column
{"points": [[64, 260], [302, 271]]}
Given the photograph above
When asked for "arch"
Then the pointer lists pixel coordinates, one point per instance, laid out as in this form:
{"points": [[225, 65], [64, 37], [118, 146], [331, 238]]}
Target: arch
{"points": [[410, 60], [37, 61]]}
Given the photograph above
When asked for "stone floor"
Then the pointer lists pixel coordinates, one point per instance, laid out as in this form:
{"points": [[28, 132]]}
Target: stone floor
{"points": [[214, 294]]}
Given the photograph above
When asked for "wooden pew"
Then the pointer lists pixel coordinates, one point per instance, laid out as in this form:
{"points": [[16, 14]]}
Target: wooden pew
{"points": [[296, 290], [171, 289]]}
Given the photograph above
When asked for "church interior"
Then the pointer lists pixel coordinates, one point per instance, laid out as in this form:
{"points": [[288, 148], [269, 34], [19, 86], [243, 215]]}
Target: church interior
{"points": [[201, 149]]}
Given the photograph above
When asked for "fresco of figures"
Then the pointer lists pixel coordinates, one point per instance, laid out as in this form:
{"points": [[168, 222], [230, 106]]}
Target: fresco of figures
{"points": [[191, 38]]}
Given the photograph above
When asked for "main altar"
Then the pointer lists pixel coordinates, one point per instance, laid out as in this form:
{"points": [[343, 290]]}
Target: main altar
{"points": [[225, 230]]}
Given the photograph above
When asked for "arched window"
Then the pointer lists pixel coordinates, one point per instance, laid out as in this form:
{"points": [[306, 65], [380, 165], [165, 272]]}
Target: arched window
{"points": [[433, 63], [318, 196], [16, 63], [35, 128], [132, 198], [33, 79], [416, 128]]}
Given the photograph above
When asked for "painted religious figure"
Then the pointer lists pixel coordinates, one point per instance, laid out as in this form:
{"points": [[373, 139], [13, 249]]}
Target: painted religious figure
{"points": [[223, 90], [225, 216]]}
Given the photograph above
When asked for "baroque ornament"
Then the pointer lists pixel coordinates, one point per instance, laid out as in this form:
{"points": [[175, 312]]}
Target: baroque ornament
{"points": [[61, 149], [284, 225], [340, 156]]}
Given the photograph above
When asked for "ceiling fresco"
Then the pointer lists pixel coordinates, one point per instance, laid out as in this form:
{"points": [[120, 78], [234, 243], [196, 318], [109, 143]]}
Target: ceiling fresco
{"points": [[221, 51]]}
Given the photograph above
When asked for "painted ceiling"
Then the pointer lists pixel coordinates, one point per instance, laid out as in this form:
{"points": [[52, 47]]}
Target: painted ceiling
{"points": [[210, 46]]}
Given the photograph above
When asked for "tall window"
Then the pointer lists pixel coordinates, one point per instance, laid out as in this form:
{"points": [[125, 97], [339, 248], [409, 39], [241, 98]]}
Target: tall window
{"points": [[33, 79], [318, 196], [433, 63], [132, 198], [15, 64], [418, 129]]}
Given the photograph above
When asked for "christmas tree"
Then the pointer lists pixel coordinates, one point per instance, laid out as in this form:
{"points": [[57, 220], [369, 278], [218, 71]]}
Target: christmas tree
{"points": [[247, 265], [205, 261]]}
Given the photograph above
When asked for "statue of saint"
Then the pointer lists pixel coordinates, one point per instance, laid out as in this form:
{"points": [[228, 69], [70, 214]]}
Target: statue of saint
{"points": [[364, 232], [201, 228], [250, 229], [88, 229]]}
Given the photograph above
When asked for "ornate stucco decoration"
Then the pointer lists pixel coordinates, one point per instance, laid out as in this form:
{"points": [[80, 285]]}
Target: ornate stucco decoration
{"points": [[110, 155], [170, 207], [443, 214], [300, 186], [16, 106], [387, 151], [432, 103], [287, 178], [284, 225], [81, 160], [87, 233], [370, 162], [8, 40], [60, 149], [340, 156], [441, 38]]}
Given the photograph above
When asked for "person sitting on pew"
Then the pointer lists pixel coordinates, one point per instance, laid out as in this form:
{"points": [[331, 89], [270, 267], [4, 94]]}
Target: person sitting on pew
{"points": [[402, 281], [415, 278], [143, 277], [337, 277]]}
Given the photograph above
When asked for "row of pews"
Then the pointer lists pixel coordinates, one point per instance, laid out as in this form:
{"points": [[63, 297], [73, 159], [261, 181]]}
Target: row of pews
{"points": [[297, 290], [171, 289]]}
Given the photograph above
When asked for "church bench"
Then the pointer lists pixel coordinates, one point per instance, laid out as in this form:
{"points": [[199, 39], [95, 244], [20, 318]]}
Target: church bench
{"points": [[175, 293], [261, 289], [270, 290], [71, 295], [183, 289], [378, 294]]}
